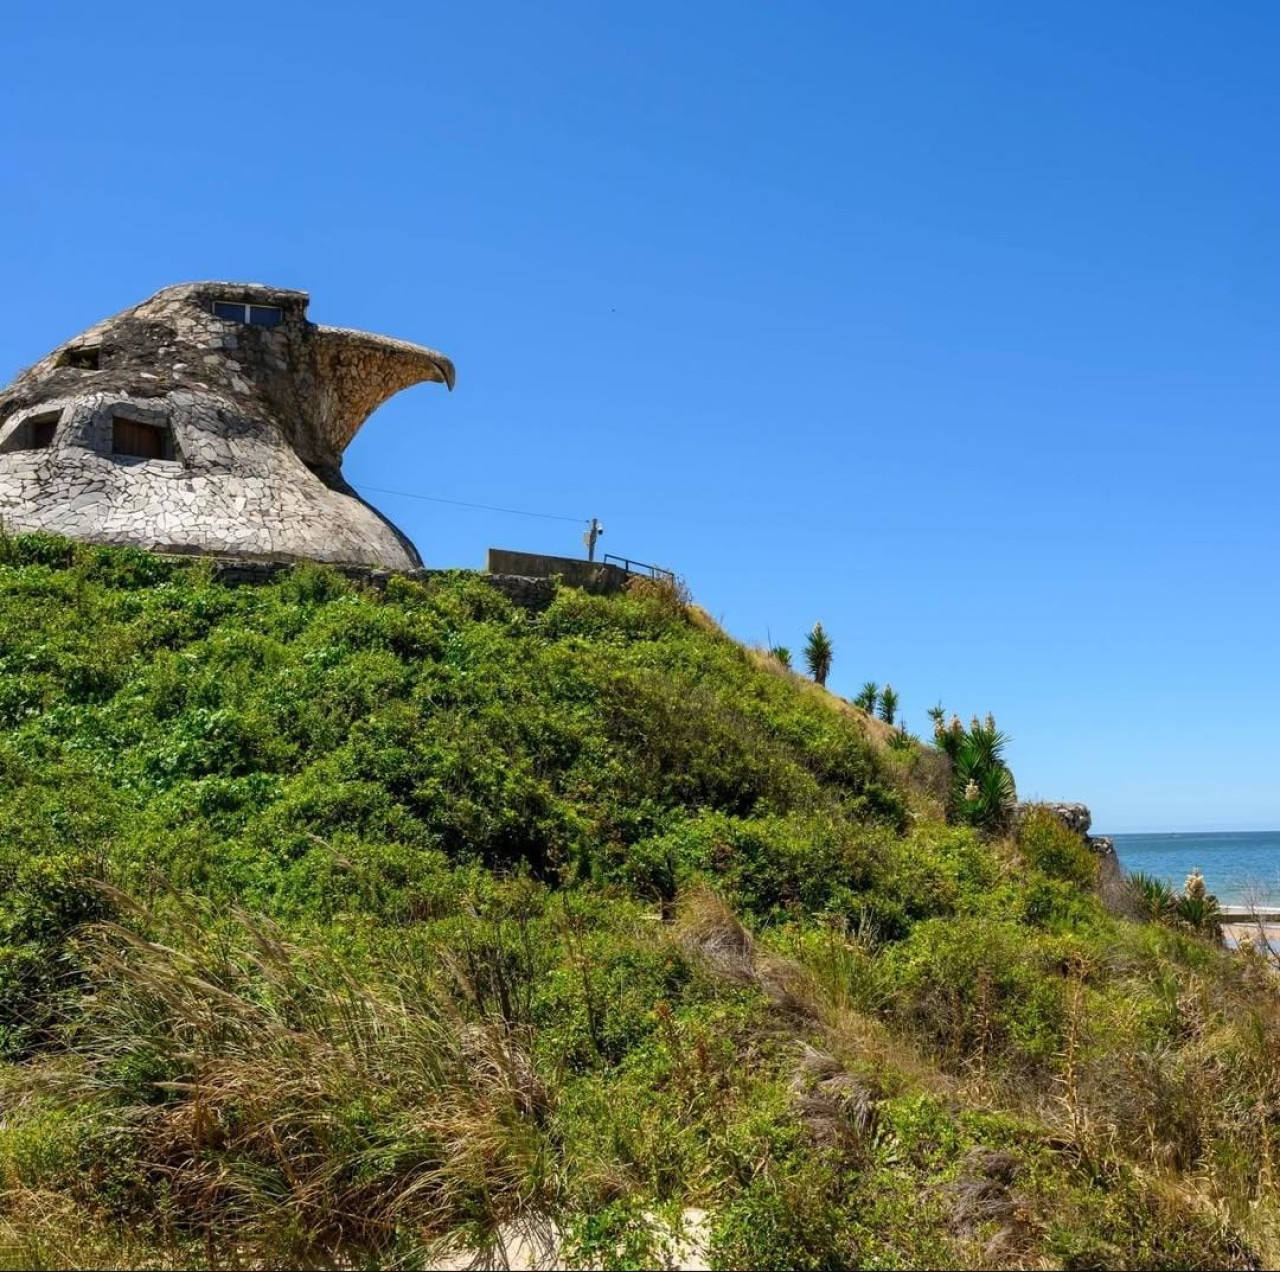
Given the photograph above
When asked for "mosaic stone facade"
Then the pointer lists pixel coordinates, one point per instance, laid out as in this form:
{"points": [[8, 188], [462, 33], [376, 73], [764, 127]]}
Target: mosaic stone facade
{"points": [[210, 418]]}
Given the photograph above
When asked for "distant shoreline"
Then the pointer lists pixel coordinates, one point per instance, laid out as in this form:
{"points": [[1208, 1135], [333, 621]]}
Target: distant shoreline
{"points": [[1186, 834], [1241, 867]]}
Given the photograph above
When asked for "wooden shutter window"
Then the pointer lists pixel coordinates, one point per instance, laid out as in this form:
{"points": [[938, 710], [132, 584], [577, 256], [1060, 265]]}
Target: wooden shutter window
{"points": [[132, 437]]}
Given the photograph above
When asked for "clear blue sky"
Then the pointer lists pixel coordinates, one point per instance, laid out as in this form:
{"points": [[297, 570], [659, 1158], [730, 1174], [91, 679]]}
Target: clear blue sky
{"points": [[953, 325]]}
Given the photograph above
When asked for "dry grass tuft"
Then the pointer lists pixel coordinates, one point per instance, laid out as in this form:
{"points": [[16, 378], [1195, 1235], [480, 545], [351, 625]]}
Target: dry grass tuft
{"points": [[983, 1196], [838, 1108], [709, 934], [298, 1111], [41, 1229]]}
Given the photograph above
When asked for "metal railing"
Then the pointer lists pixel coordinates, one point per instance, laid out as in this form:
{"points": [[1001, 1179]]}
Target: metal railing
{"points": [[640, 567]]}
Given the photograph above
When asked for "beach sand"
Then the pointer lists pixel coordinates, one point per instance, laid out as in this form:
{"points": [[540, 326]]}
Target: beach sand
{"points": [[1257, 932]]}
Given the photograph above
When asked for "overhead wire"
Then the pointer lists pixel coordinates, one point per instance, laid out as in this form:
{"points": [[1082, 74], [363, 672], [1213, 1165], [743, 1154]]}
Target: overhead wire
{"points": [[462, 503]]}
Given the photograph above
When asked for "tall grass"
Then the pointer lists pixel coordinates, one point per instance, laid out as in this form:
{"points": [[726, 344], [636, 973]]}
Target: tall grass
{"points": [[286, 1105]]}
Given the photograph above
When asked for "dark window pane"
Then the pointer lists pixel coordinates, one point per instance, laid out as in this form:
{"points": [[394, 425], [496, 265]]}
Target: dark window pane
{"points": [[264, 315], [224, 309], [131, 437], [83, 358], [42, 431]]}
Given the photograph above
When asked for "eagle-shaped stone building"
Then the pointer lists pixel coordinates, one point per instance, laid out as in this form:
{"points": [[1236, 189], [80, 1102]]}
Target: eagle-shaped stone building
{"points": [[210, 418]]}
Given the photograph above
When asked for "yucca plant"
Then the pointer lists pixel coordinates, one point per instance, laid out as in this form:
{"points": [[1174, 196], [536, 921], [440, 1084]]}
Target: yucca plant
{"points": [[982, 787], [1198, 908], [888, 704], [1153, 897], [780, 653], [867, 697], [817, 654]]}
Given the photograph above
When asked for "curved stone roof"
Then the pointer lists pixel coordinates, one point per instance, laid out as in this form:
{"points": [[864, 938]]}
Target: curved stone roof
{"points": [[244, 420]]}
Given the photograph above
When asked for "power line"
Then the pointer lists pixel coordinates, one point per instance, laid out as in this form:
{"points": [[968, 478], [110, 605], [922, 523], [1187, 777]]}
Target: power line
{"points": [[459, 503]]}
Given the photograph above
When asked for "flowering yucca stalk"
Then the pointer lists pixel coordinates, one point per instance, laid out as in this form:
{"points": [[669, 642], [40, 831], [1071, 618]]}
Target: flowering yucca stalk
{"points": [[1198, 908], [982, 787]]}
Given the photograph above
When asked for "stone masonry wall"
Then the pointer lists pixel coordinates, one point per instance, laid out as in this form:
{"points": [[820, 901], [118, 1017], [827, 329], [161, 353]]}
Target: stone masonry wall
{"points": [[254, 417]]}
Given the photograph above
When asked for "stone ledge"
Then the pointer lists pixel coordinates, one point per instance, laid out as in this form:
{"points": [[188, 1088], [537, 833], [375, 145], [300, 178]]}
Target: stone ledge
{"points": [[1075, 817]]}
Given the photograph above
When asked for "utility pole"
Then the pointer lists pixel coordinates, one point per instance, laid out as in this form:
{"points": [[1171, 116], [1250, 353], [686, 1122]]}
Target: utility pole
{"points": [[590, 537]]}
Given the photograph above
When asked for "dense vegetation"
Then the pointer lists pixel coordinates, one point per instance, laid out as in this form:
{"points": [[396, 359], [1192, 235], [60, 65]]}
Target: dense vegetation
{"points": [[340, 926]]}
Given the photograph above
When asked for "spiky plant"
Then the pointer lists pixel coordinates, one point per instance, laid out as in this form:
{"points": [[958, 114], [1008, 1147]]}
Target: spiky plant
{"points": [[901, 739], [982, 788], [1198, 908], [867, 697], [780, 653], [817, 654], [1153, 897], [1201, 914], [888, 704]]}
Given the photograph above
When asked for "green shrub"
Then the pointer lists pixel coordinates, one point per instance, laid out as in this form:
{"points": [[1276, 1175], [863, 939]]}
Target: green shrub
{"points": [[36, 549], [43, 903], [387, 958], [767, 867], [1047, 845], [976, 991], [785, 1219]]}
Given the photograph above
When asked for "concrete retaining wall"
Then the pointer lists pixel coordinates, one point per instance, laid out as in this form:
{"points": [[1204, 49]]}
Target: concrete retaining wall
{"points": [[591, 575]]}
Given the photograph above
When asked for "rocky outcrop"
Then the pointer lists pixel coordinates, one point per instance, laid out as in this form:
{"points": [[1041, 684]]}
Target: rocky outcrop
{"points": [[1075, 817], [210, 418], [1078, 819]]}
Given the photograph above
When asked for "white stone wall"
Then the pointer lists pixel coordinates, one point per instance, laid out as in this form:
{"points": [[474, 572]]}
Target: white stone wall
{"points": [[245, 406]]}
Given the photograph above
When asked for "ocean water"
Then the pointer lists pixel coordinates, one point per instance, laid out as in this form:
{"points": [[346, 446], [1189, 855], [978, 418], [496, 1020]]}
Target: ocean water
{"points": [[1240, 867]]}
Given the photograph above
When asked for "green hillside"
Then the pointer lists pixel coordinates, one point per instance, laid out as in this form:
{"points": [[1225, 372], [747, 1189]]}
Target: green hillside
{"points": [[343, 927]]}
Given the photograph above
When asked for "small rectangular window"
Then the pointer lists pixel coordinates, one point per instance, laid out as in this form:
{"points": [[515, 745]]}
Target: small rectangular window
{"points": [[143, 441], [82, 358], [34, 433], [255, 315], [42, 430]]}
